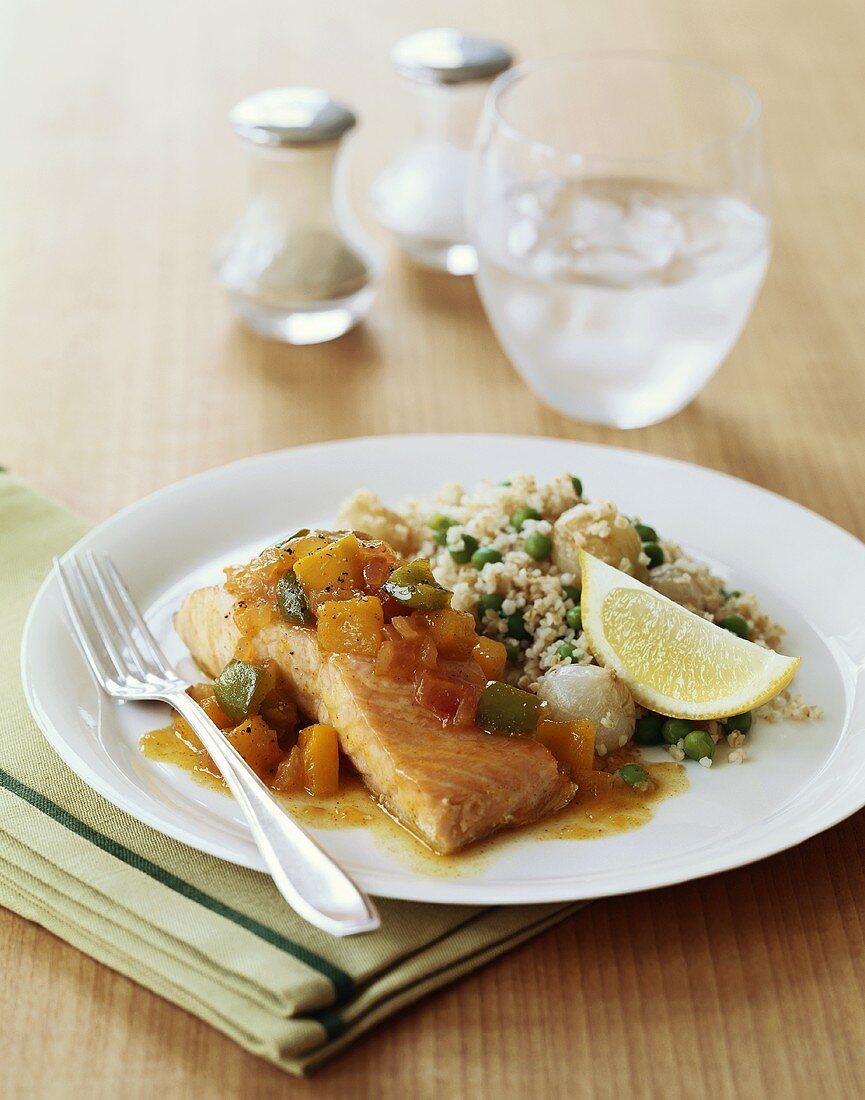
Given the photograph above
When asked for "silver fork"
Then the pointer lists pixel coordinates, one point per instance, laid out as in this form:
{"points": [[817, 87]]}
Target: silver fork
{"points": [[128, 664]]}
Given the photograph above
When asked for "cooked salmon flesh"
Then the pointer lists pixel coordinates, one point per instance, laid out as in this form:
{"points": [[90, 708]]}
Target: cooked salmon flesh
{"points": [[449, 787]]}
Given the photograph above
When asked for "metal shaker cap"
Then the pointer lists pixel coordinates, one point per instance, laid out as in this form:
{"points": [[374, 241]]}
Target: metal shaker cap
{"points": [[446, 56], [291, 116]]}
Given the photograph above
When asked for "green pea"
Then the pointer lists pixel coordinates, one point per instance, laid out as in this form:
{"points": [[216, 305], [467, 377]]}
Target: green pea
{"points": [[462, 551], [505, 484], [439, 524], [577, 484], [654, 553], [517, 626], [490, 601], [646, 533], [538, 546], [698, 744], [513, 650], [571, 593], [574, 618], [735, 624], [673, 730], [487, 555], [633, 774], [647, 730], [518, 519], [731, 594], [566, 650], [740, 722]]}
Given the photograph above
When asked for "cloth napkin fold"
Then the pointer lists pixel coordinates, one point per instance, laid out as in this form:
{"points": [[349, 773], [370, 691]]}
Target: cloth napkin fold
{"points": [[209, 936]]}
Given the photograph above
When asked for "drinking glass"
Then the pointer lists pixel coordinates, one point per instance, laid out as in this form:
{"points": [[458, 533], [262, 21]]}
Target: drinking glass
{"points": [[618, 204]]}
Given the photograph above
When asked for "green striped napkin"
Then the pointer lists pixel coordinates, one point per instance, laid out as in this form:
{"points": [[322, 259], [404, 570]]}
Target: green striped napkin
{"points": [[214, 938]]}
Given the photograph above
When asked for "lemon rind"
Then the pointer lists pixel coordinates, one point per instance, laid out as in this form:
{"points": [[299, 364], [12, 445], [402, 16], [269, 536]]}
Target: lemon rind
{"points": [[666, 705]]}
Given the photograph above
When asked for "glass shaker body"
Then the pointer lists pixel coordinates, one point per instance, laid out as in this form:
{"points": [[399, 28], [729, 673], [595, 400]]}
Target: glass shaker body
{"points": [[421, 195], [296, 265]]}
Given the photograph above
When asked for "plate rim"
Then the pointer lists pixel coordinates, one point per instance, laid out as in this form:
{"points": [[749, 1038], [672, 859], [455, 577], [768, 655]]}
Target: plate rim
{"points": [[381, 883]]}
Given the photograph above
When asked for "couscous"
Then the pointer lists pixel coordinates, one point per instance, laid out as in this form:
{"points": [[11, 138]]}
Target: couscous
{"points": [[509, 554]]}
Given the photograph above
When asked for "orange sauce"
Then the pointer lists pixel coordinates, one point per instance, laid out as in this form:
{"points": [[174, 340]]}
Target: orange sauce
{"points": [[592, 814], [432, 649], [166, 746]]}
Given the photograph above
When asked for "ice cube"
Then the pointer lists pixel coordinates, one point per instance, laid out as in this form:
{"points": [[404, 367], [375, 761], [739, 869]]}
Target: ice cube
{"points": [[653, 232], [548, 263], [613, 266], [538, 201], [594, 223]]}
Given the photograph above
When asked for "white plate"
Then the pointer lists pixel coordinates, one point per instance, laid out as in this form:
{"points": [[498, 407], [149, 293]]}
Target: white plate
{"points": [[800, 778]]}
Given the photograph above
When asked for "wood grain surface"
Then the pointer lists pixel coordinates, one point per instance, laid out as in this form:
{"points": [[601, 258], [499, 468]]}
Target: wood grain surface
{"points": [[122, 370]]}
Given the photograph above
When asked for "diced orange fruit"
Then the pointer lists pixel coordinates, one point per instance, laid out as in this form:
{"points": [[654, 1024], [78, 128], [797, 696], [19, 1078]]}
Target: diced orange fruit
{"points": [[351, 626], [453, 633], [332, 572], [256, 742], [571, 743], [492, 656], [289, 774], [319, 748]]}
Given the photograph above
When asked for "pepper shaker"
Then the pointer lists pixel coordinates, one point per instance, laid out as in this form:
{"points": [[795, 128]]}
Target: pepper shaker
{"points": [[296, 265], [421, 195]]}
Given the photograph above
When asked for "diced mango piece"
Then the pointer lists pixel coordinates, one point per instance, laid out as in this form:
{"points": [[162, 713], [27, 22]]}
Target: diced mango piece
{"points": [[215, 713], [351, 626], [319, 747], [492, 656], [256, 742], [203, 695], [332, 572], [571, 743], [200, 692], [453, 633], [289, 774]]}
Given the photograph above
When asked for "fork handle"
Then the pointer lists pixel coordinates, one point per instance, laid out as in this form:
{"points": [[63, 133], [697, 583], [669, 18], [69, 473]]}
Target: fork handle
{"points": [[306, 876]]}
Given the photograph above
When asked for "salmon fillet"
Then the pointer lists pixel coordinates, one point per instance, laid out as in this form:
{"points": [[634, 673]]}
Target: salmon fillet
{"points": [[449, 787]]}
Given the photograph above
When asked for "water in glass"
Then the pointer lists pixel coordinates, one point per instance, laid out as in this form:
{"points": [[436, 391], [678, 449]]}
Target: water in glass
{"points": [[618, 297]]}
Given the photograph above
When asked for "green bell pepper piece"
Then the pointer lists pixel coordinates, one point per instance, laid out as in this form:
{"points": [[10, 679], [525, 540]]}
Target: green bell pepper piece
{"points": [[413, 585], [506, 709], [291, 600], [240, 689]]}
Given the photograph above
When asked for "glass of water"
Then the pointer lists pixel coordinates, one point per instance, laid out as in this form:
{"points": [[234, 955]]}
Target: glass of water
{"points": [[618, 204]]}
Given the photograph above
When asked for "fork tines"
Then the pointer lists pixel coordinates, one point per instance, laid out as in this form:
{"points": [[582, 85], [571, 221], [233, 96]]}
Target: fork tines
{"points": [[115, 639]]}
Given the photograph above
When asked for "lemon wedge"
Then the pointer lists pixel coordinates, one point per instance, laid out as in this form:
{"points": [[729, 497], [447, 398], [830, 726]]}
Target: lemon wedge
{"points": [[671, 660]]}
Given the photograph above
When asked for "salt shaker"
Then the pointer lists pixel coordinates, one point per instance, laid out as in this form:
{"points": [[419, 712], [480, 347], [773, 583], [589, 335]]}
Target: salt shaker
{"points": [[421, 195], [296, 264]]}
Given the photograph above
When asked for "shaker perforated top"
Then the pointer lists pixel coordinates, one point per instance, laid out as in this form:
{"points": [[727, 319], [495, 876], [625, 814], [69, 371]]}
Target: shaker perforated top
{"points": [[446, 56], [291, 116]]}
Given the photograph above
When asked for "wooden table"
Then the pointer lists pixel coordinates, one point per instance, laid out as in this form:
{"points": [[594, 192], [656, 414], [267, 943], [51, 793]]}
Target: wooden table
{"points": [[122, 370]]}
